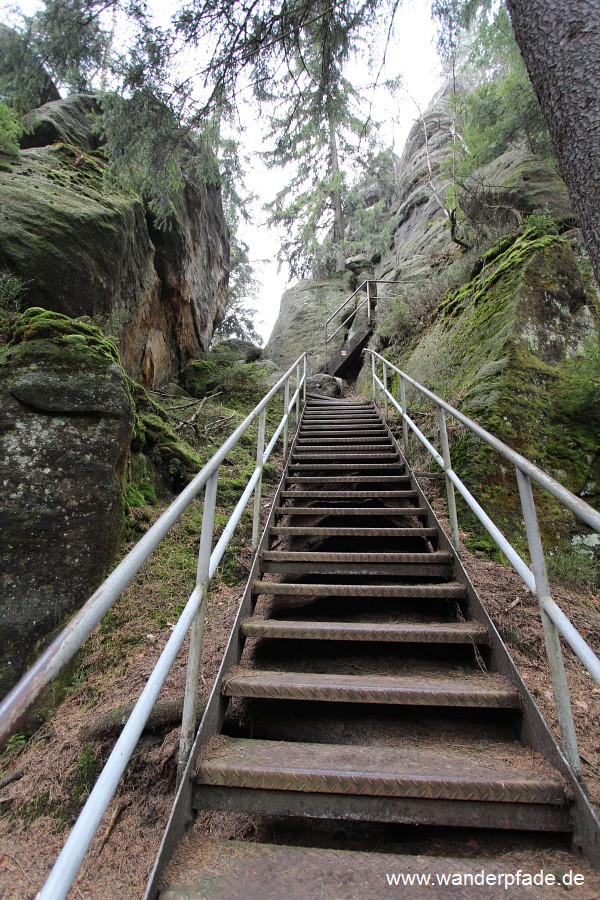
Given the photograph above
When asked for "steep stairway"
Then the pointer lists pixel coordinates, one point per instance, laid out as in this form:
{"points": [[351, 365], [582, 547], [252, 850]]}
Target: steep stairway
{"points": [[364, 681], [350, 353]]}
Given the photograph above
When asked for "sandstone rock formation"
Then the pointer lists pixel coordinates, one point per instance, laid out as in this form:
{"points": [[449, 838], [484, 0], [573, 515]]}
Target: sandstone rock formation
{"points": [[65, 428], [85, 248]]}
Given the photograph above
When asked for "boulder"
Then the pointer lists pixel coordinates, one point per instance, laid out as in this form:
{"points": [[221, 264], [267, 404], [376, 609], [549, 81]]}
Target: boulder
{"points": [[68, 121], [65, 428], [240, 351], [325, 385]]}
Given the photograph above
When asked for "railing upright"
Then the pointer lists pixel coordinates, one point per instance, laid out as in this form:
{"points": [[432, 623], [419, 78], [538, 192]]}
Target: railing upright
{"points": [[386, 407], [190, 700], [404, 420], [260, 449], [564, 712], [286, 414], [452, 514]]}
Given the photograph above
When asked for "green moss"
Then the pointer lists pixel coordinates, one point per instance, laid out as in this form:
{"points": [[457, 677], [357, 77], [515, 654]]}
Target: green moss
{"points": [[38, 324], [491, 350], [506, 258]]}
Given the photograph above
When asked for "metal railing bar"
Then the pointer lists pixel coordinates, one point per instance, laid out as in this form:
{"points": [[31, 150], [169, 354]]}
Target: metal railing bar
{"points": [[77, 844], [412, 425], [347, 319], [359, 288], [519, 564], [555, 622], [63, 648], [582, 509], [577, 644], [82, 835], [221, 545], [511, 554]]}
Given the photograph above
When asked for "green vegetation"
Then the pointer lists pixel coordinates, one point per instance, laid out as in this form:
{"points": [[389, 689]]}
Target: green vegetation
{"points": [[10, 130], [489, 347], [12, 295]]}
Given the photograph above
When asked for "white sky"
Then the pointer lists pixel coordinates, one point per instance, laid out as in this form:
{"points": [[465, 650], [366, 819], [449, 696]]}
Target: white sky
{"points": [[412, 55]]}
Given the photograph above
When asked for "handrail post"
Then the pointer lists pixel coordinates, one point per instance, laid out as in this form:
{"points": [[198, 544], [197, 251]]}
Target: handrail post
{"points": [[373, 374], [190, 701], [260, 449], [404, 422], [551, 636], [304, 382], [297, 395], [452, 515], [286, 413], [368, 302], [385, 396]]}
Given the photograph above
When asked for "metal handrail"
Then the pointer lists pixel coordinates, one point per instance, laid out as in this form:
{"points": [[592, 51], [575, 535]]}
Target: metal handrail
{"points": [[554, 621], [367, 301], [16, 704]]}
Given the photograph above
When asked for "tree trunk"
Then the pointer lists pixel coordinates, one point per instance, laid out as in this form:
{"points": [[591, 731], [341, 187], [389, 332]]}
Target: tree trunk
{"points": [[336, 198], [560, 43]]}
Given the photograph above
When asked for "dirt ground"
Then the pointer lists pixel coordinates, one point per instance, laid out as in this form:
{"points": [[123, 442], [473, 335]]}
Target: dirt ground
{"points": [[56, 766]]}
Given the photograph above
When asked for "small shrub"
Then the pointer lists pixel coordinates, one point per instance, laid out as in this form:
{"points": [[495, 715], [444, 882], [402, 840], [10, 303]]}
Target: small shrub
{"points": [[573, 567], [12, 290]]}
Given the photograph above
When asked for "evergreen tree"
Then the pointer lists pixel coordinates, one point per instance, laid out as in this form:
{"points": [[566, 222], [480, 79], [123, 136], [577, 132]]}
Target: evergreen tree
{"points": [[317, 133]]}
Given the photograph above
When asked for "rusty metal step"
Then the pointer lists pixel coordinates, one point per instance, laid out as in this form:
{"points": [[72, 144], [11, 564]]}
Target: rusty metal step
{"points": [[313, 449], [343, 430], [404, 632], [334, 531], [439, 557], [329, 442], [343, 479], [349, 495], [506, 774], [349, 467], [237, 870], [472, 690], [369, 511], [447, 590]]}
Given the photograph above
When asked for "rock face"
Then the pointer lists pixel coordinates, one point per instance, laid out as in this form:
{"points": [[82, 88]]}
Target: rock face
{"points": [[302, 315], [86, 249], [65, 428]]}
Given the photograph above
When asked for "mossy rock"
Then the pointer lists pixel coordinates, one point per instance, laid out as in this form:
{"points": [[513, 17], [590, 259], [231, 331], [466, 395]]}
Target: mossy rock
{"points": [[498, 348], [65, 430], [69, 121]]}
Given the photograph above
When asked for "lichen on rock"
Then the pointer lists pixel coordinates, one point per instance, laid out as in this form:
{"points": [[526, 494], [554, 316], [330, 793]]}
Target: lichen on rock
{"points": [[66, 419]]}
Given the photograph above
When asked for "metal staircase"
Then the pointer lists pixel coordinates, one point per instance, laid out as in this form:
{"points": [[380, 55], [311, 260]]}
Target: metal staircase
{"points": [[364, 679]]}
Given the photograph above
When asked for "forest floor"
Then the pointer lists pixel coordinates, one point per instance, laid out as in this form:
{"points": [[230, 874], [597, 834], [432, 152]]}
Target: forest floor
{"points": [[58, 764]]}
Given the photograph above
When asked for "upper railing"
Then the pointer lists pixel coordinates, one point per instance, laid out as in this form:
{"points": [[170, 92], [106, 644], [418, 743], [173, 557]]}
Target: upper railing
{"points": [[554, 621], [16, 704], [370, 300]]}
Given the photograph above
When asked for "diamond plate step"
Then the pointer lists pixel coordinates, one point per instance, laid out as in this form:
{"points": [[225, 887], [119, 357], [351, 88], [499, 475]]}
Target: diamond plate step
{"points": [[406, 632], [343, 479], [330, 531], [439, 557], [236, 870], [515, 777], [349, 495], [448, 590], [351, 511], [350, 468], [468, 690]]}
